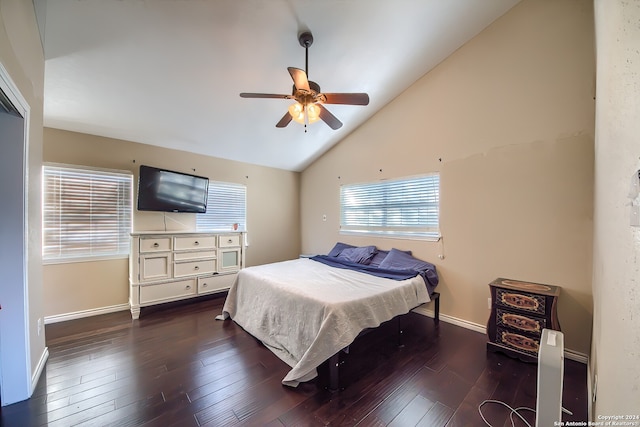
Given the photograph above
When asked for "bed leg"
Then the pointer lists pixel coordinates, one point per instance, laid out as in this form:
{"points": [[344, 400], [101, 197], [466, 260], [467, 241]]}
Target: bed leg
{"points": [[334, 372], [400, 331], [436, 297]]}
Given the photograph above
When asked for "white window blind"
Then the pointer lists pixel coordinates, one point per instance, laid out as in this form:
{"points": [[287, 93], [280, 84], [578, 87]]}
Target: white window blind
{"points": [[86, 213], [226, 205], [407, 207]]}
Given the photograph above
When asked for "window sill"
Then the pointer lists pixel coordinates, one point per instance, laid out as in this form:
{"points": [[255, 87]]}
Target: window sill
{"points": [[391, 235], [83, 259]]}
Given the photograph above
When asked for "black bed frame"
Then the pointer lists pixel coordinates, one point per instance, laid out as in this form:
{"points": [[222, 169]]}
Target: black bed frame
{"points": [[335, 362]]}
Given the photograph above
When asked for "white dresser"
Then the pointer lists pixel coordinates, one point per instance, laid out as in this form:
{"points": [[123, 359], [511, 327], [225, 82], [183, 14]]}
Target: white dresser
{"points": [[167, 267]]}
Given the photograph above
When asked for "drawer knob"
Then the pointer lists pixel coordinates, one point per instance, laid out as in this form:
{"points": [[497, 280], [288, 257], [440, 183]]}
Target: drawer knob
{"points": [[187, 287], [196, 268], [204, 285], [196, 243], [155, 245], [229, 241]]}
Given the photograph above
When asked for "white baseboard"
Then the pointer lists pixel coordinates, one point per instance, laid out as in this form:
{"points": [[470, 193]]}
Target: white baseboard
{"points": [[453, 320], [39, 368], [568, 353], [85, 313], [576, 356]]}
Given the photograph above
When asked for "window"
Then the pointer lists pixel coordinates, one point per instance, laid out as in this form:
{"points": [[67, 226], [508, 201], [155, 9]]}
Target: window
{"points": [[226, 206], [86, 213], [407, 207]]}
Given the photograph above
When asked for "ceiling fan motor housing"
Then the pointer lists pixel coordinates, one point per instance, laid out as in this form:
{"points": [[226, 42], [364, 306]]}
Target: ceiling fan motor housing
{"points": [[315, 87], [305, 39]]}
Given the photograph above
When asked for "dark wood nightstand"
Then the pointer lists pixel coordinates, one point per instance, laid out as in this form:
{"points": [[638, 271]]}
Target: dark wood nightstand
{"points": [[519, 312]]}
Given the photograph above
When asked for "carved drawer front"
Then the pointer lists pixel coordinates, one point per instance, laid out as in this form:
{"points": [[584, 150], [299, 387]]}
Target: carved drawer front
{"points": [[194, 242], [521, 301], [194, 268], [155, 244], [517, 341], [532, 325]]}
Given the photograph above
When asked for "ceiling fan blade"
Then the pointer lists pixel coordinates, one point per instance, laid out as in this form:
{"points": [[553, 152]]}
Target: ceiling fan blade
{"points": [[264, 95], [299, 77], [329, 118], [284, 121], [347, 98]]}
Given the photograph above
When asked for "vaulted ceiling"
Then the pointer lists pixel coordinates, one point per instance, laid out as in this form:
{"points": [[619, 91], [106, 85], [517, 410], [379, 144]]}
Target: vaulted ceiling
{"points": [[169, 72]]}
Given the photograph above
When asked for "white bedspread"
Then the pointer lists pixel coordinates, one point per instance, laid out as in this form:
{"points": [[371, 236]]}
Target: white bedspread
{"points": [[305, 311]]}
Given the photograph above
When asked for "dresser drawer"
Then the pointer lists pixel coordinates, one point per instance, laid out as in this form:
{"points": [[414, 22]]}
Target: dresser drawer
{"points": [[521, 300], [167, 291], [517, 341], [215, 283], [194, 255], [192, 268], [194, 242], [528, 324], [229, 240], [155, 244]]}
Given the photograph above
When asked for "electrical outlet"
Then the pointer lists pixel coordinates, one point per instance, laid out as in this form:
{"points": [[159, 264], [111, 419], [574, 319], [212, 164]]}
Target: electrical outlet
{"points": [[489, 303]]}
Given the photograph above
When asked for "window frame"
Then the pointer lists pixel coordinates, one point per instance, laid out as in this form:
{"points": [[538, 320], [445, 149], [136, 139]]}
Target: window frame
{"points": [[426, 231], [124, 218]]}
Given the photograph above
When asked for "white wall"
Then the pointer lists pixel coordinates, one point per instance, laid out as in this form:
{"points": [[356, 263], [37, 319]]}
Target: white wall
{"points": [[615, 357], [508, 121], [272, 214]]}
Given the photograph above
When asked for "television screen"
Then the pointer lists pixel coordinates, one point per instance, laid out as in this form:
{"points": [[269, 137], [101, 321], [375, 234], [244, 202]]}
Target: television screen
{"points": [[168, 191]]}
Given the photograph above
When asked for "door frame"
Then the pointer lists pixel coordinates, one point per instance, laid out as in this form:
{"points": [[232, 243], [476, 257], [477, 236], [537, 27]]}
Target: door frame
{"points": [[16, 383]]}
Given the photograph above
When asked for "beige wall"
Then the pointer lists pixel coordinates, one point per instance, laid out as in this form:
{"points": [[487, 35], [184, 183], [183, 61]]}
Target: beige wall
{"points": [[508, 121], [616, 275], [272, 214], [21, 55]]}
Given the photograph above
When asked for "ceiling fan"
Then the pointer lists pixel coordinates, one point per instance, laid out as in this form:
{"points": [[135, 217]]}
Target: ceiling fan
{"points": [[309, 105]]}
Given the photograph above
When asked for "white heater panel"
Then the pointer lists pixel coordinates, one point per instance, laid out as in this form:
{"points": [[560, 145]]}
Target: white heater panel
{"points": [[550, 377]]}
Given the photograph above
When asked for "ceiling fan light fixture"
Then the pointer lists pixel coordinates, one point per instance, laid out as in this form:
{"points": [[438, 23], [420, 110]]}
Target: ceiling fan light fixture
{"points": [[313, 113], [297, 112], [304, 114]]}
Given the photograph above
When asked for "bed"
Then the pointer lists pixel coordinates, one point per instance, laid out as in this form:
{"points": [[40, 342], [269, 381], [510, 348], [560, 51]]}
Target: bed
{"points": [[307, 310]]}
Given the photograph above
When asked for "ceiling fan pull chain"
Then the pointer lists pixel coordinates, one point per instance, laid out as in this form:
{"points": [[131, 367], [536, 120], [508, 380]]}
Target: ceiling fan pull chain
{"points": [[306, 119]]}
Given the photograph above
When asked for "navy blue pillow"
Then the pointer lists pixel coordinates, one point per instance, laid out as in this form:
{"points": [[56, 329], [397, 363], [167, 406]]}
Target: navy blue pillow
{"points": [[399, 260], [379, 256], [361, 255], [338, 248]]}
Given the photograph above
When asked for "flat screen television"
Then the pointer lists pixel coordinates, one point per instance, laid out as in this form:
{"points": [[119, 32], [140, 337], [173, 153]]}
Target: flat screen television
{"points": [[169, 191]]}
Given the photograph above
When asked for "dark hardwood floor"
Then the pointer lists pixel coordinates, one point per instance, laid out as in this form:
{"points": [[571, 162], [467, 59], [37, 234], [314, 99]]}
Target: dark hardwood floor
{"points": [[177, 366]]}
